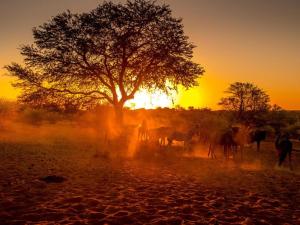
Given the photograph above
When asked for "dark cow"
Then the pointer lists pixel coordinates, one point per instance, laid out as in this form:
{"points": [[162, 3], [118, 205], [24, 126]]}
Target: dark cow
{"points": [[185, 137], [226, 139], [159, 135], [143, 131], [258, 136], [228, 143], [284, 147]]}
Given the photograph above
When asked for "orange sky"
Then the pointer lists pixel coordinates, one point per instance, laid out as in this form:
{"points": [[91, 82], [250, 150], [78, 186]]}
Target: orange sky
{"points": [[256, 41]]}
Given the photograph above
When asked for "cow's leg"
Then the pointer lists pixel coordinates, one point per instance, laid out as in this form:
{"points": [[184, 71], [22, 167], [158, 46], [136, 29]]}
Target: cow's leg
{"points": [[282, 157], [186, 145], [170, 141], [290, 160], [226, 151], [163, 141], [139, 135], [209, 150], [143, 136], [257, 145], [242, 152], [233, 151]]}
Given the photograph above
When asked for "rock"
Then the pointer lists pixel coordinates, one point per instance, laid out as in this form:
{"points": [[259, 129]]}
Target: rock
{"points": [[53, 179]]}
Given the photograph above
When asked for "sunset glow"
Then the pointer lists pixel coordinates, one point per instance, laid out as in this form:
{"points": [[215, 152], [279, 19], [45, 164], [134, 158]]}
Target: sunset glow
{"points": [[254, 41], [147, 100]]}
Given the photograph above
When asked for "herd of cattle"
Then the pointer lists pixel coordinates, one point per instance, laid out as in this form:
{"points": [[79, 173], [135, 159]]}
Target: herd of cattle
{"points": [[231, 140]]}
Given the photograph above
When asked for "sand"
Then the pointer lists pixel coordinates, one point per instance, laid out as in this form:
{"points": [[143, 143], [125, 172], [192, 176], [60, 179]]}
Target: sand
{"points": [[155, 188]]}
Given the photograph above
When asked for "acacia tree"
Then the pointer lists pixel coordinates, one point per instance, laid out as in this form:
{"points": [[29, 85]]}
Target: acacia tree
{"points": [[106, 55], [245, 97]]}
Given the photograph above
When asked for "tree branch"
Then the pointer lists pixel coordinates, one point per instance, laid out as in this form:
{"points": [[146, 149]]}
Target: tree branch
{"points": [[122, 73], [111, 80]]}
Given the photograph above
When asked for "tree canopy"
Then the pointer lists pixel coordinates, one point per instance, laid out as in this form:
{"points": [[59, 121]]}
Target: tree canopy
{"points": [[106, 55], [245, 97]]}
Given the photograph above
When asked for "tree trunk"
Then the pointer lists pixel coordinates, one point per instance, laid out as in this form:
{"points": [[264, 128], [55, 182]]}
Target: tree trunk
{"points": [[119, 114]]}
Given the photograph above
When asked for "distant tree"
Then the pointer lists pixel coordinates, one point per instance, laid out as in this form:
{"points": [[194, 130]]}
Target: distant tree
{"points": [[245, 97], [179, 107], [106, 55], [276, 108], [281, 119]]}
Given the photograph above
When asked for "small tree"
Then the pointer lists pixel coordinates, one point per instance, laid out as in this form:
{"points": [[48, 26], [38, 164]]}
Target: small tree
{"points": [[244, 98], [281, 119], [106, 55]]}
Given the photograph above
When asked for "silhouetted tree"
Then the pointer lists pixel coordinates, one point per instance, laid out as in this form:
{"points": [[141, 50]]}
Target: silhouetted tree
{"points": [[244, 98], [281, 119], [106, 55]]}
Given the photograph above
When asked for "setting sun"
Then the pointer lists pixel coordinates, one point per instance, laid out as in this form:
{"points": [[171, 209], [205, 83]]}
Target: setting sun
{"points": [[151, 100]]}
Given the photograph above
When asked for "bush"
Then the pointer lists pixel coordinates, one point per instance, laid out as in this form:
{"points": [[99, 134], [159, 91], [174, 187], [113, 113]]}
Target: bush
{"points": [[39, 116]]}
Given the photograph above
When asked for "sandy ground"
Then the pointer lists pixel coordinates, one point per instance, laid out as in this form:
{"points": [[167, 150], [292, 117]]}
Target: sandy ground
{"points": [[154, 188]]}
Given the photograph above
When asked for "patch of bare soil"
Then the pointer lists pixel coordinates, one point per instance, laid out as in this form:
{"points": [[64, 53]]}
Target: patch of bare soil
{"points": [[163, 189]]}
